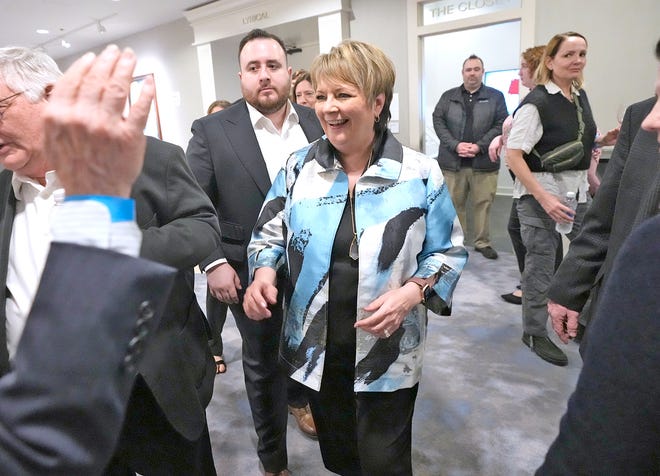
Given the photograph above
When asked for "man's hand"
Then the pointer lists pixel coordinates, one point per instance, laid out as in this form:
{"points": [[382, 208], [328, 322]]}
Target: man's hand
{"points": [[465, 149], [564, 321], [224, 283], [95, 150]]}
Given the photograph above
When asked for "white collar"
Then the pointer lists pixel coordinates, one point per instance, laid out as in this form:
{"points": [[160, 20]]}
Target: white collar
{"points": [[256, 116], [552, 88], [52, 183]]}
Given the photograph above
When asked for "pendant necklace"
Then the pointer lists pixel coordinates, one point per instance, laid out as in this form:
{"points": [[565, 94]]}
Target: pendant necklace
{"points": [[353, 249]]}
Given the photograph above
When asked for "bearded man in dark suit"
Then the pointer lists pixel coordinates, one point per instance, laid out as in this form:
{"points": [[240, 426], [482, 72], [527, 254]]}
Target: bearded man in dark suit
{"points": [[165, 431], [235, 155]]}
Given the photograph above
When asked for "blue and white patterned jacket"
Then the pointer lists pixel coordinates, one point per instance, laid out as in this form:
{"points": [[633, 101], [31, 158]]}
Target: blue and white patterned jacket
{"points": [[406, 226]]}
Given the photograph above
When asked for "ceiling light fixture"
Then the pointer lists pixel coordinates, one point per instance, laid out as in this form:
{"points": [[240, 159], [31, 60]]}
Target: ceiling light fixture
{"points": [[61, 38], [42, 31]]}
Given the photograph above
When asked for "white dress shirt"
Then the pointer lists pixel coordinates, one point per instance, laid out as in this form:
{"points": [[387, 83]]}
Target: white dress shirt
{"points": [[276, 146], [28, 248], [41, 217], [526, 131]]}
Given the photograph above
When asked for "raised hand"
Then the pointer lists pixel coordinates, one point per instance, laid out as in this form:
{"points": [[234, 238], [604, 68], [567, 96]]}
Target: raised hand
{"points": [[94, 148]]}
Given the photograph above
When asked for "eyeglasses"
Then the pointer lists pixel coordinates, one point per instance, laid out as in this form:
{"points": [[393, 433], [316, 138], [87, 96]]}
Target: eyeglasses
{"points": [[4, 107]]}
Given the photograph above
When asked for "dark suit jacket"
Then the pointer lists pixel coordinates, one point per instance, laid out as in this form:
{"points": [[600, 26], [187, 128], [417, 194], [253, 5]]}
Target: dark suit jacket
{"points": [[179, 229], [225, 157], [611, 426], [631, 174], [62, 406]]}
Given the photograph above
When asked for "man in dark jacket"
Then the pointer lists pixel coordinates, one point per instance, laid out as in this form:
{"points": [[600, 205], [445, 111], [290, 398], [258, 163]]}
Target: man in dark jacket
{"points": [[466, 119]]}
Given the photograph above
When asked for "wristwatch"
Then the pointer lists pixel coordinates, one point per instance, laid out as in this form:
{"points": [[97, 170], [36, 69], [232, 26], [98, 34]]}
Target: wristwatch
{"points": [[424, 287]]}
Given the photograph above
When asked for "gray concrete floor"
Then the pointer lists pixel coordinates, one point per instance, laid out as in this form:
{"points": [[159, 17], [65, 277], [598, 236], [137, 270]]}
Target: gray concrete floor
{"points": [[486, 405]]}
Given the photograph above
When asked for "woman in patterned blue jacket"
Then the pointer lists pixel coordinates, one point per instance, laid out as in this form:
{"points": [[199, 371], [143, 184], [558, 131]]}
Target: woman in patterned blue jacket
{"points": [[369, 237]]}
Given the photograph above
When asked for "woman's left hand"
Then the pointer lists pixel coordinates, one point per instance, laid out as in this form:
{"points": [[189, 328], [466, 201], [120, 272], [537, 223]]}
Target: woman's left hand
{"points": [[609, 138], [389, 310]]}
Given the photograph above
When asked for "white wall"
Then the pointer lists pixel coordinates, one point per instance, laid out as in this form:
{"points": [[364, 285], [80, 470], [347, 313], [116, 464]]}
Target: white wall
{"points": [[383, 24], [621, 65], [167, 52]]}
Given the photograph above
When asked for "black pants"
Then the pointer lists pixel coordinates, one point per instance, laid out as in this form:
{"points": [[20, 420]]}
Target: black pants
{"points": [[150, 446], [366, 433], [265, 383], [216, 315]]}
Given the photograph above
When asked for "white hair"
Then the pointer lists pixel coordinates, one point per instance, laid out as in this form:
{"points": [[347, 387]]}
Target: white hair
{"points": [[28, 71]]}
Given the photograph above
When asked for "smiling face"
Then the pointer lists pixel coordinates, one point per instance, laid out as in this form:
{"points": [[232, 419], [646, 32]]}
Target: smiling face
{"points": [[21, 134], [569, 61], [652, 122], [346, 116], [265, 77]]}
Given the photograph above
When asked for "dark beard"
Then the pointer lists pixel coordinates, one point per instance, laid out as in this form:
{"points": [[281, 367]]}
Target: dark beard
{"points": [[268, 106]]}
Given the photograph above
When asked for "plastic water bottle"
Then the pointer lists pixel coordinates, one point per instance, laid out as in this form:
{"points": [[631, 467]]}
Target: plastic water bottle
{"points": [[569, 201]]}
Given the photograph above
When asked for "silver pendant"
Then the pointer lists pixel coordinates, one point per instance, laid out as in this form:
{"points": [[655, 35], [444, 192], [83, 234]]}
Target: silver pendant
{"points": [[353, 251]]}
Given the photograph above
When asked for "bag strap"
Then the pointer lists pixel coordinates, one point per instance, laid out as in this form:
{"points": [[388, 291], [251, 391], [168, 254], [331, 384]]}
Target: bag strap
{"points": [[578, 107]]}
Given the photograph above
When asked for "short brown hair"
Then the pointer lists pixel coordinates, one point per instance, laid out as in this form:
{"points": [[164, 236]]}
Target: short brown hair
{"points": [[219, 103], [365, 67], [532, 56], [300, 76], [544, 75]]}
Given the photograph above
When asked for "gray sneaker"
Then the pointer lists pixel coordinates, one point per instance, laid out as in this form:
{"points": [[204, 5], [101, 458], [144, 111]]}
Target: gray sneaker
{"points": [[546, 349]]}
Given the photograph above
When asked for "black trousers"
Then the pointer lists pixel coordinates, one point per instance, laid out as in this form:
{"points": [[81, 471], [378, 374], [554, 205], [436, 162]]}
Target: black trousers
{"points": [[216, 315], [266, 384], [365, 433], [150, 446]]}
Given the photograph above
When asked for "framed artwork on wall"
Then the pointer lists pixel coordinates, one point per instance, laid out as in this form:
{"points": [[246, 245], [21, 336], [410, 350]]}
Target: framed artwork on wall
{"points": [[153, 121]]}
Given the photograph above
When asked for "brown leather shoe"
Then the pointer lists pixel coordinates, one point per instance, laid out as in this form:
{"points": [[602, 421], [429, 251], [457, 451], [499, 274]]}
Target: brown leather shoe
{"points": [[305, 420], [284, 472]]}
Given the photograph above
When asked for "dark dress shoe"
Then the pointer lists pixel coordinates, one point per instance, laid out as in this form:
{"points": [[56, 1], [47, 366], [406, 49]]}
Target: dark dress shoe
{"points": [[512, 298], [305, 420], [546, 349], [488, 252]]}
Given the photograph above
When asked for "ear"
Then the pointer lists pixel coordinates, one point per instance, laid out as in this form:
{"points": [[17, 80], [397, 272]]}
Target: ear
{"points": [[379, 102], [47, 90], [548, 62]]}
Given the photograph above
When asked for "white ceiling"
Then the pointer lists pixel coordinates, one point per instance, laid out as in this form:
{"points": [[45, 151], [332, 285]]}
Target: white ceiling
{"points": [[75, 21]]}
